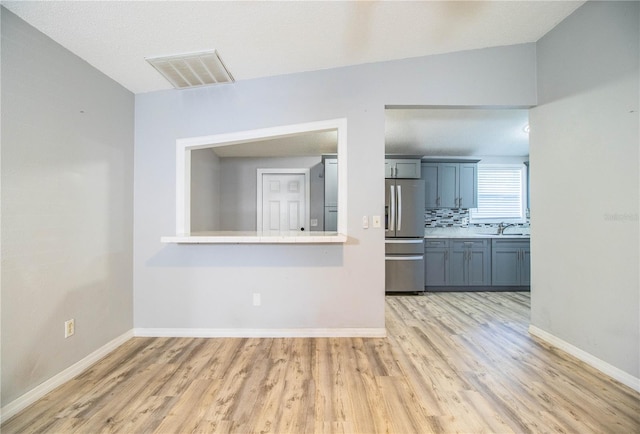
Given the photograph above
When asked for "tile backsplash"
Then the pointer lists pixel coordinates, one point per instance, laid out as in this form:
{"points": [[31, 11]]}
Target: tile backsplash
{"points": [[446, 218], [454, 218]]}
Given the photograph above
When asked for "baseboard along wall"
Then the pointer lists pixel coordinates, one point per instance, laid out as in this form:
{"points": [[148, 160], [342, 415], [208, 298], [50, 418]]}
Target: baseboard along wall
{"points": [[19, 404], [602, 366], [77, 368]]}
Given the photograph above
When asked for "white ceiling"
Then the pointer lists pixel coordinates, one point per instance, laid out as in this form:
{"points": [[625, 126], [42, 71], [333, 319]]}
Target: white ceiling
{"points": [[312, 143], [432, 132], [265, 38], [457, 132]]}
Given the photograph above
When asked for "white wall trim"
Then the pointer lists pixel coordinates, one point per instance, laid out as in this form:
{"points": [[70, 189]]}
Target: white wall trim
{"points": [[602, 366], [19, 404], [263, 333], [184, 147]]}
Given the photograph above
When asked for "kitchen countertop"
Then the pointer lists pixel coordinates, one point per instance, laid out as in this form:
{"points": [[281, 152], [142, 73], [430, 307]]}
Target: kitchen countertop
{"points": [[511, 232]]}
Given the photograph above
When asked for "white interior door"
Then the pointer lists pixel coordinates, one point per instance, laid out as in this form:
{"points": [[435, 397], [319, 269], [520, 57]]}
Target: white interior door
{"points": [[284, 202]]}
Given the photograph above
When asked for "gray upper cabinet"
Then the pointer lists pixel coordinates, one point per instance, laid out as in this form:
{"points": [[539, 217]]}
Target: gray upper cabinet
{"points": [[450, 184], [330, 194], [402, 168], [330, 182], [510, 263], [468, 186], [430, 176], [470, 262]]}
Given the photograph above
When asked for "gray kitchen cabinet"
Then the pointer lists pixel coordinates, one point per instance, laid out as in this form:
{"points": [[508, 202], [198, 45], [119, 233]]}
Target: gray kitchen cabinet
{"points": [[429, 173], [436, 259], [510, 262], [330, 182], [468, 186], [330, 218], [450, 184], [402, 168], [330, 194], [470, 262]]}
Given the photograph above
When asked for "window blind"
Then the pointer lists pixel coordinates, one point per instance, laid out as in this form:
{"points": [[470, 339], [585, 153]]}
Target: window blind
{"points": [[499, 193]]}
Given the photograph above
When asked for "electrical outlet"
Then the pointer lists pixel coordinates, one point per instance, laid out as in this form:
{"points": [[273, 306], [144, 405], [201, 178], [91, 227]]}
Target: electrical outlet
{"points": [[256, 299], [69, 328]]}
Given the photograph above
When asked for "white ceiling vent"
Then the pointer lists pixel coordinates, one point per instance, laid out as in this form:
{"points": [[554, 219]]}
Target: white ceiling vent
{"points": [[193, 69]]}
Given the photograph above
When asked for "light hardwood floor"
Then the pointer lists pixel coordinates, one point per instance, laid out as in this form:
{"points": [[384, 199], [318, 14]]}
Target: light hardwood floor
{"points": [[452, 362]]}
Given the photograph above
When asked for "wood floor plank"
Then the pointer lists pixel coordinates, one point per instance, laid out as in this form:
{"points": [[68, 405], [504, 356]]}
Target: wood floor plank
{"points": [[451, 363]]}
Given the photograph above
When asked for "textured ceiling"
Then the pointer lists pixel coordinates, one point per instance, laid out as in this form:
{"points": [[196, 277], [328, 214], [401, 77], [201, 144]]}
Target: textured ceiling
{"points": [[258, 39], [265, 38]]}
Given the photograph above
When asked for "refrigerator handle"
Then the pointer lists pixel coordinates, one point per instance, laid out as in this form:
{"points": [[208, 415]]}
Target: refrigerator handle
{"points": [[392, 213], [399, 208]]}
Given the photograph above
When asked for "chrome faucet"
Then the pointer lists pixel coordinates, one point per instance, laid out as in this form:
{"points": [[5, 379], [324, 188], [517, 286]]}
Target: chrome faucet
{"points": [[502, 227]]}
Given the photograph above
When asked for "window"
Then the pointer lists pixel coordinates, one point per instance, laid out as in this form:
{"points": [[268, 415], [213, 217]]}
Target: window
{"points": [[500, 194]]}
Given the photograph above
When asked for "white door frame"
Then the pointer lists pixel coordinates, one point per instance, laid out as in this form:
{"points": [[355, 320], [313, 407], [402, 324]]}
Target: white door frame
{"points": [[307, 192]]}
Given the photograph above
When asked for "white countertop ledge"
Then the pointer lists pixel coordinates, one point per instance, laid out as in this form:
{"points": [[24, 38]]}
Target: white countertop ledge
{"points": [[255, 237]]}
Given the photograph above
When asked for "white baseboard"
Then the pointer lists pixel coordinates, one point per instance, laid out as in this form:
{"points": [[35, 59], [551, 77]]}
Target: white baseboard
{"points": [[263, 333], [77, 368], [602, 366], [19, 404]]}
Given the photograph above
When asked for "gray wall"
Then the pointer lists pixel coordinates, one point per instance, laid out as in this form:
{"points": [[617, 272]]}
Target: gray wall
{"points": [[238, 187], [584, 184], [302, 286], [205, 190], [67, 208]]}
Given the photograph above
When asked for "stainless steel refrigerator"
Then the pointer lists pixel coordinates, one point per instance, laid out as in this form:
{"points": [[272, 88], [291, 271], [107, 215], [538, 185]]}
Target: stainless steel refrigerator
{"points": [[404, 235]]}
